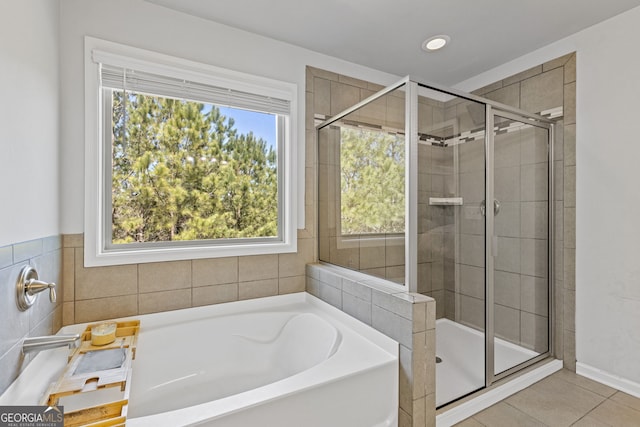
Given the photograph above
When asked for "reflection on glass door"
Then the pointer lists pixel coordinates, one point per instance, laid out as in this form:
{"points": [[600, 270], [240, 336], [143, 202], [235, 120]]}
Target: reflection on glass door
{"points": [[520, 242]]}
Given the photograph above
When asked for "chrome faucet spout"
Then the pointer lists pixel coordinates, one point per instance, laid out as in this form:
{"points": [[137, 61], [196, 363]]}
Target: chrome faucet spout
{"points": [[32, 344]]}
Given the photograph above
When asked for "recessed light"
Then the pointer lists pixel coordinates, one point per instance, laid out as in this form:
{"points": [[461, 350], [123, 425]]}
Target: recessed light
{"points": [[435, 43]]}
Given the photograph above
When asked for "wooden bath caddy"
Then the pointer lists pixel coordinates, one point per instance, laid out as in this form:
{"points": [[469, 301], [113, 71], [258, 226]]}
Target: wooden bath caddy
{"points": [[110, 413]]}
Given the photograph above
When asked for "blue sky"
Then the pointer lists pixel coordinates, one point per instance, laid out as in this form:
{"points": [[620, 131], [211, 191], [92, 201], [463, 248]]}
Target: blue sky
{"points": [[261, 124]]}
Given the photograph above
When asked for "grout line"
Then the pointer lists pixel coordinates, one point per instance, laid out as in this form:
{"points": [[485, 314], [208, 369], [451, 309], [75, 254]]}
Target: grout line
{"points": [[524, 412], [137, 289], [191, 287], [476, 420], [580, 386], [74, 288], [592, 409], [617, 402]]}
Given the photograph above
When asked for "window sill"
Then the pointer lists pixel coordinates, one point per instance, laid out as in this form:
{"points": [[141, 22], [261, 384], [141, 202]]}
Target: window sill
{"points": [[97, 258]]}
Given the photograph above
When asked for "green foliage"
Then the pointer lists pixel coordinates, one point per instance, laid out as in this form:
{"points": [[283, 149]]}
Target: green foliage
{"points": [[182, 172], [372, 182]]}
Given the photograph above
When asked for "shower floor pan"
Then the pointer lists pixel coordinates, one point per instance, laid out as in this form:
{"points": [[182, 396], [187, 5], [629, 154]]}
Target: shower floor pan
{"points": [[461, 350]]}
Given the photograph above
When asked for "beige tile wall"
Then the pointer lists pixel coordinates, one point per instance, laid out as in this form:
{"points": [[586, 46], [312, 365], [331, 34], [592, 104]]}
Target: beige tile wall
{"points": [[98, 293], [43, 318]]}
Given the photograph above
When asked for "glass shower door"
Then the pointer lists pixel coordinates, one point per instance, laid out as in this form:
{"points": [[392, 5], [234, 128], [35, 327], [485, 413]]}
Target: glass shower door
{"points": [[518, 302]]}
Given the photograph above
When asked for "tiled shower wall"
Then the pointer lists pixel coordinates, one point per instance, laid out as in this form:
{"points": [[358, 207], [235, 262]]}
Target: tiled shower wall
{"points": [[42, 318], [521, 187], [450, 238], [438, 122], [537, 90]]}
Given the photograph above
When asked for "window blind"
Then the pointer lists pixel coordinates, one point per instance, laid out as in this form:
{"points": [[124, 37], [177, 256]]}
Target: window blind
{"points": [[139, 81]]}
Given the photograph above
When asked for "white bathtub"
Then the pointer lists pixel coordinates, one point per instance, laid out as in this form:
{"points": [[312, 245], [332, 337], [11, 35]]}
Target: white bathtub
{"points": [[289, 360]]}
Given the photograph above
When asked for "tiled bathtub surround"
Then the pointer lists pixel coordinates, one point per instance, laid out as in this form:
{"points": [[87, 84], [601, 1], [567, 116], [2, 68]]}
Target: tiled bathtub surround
{"points": [[43, 318], [406, 317], [99, 293]]}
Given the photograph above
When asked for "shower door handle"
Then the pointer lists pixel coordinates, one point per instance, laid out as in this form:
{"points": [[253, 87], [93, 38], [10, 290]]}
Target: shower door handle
{"points": [[496, 207]]}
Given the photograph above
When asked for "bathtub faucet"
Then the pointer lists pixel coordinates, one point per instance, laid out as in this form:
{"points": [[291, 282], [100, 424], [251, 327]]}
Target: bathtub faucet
{"points": [[32, 344]]}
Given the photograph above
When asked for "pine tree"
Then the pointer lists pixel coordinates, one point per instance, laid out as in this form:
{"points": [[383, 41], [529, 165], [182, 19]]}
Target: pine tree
{"points": [[182, 172], [372, 182]]}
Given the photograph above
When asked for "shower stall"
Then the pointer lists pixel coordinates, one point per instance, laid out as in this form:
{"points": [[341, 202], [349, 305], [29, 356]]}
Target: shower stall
{"points": [[449, 195]]}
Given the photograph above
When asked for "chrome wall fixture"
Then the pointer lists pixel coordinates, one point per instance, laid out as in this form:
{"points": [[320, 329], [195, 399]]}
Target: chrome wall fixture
{"points": [[28, 287]]}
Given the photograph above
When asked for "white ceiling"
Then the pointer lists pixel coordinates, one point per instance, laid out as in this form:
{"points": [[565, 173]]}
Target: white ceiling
{"points": [[387, 34]]}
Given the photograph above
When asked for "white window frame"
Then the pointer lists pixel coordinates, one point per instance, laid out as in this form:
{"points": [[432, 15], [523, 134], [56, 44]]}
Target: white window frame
{"points": [[98, 250]]}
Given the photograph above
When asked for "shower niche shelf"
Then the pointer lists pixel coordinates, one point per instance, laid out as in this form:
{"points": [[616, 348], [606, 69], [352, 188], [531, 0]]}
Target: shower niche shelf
{"points": [[445, 201]]}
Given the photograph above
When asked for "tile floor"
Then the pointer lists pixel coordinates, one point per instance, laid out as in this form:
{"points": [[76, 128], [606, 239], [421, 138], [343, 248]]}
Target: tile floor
{"points": [[562, 399]]}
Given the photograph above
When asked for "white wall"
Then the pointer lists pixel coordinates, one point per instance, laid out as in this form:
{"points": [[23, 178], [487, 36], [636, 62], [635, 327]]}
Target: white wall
{"points": [[148, 26], [29, 121], [608, 190]]}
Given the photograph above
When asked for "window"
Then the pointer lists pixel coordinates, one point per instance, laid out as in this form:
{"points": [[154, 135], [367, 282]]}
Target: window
{"points": [[185, 160]]}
